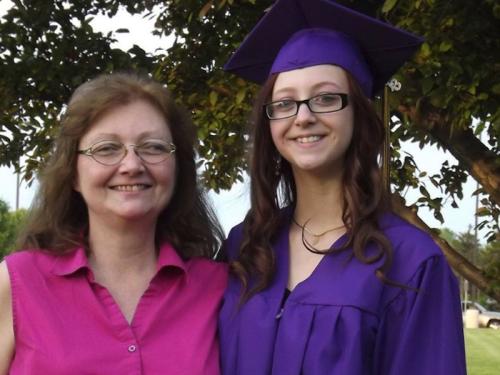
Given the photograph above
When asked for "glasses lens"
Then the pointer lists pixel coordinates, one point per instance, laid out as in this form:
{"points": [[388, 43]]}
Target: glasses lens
{"points": [[154, 151], [281, 109], [326, 103], [108, 152]]}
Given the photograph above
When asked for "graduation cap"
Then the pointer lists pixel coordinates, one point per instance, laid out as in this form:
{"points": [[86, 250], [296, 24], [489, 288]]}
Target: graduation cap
{"points": [[296, 34]]}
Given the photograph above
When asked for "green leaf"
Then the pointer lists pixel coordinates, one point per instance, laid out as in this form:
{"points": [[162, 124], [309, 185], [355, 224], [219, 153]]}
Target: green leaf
{"points": [[425, 50], [240, 96], [424, 192], [445, 46], [388, 5], [213, 98]]}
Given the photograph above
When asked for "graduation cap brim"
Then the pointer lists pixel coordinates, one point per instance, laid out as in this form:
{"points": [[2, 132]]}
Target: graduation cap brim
{"points": [[384, 47]]}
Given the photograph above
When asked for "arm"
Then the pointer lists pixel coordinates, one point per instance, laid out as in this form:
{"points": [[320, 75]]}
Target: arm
{"points": [[6, 322], [421, 332]]}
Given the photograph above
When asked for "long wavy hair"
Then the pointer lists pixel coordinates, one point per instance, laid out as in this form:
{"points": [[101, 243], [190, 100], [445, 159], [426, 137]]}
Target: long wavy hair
{"points": [[58, 220], [364, 195]]}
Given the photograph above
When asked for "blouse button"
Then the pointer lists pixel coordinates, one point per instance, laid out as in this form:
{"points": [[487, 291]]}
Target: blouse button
{"points": [[132, 348]]}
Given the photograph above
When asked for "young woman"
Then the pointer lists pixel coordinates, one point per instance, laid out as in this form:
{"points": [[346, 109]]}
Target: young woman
{"points": [[114, 277], [326, 280]]}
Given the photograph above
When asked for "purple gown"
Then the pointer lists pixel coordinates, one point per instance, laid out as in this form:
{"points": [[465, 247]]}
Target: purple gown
{"points": [[343, 320]]}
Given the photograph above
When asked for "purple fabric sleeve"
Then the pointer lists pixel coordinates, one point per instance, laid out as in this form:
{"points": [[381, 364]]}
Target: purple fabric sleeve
{"points": [[421, 333]]}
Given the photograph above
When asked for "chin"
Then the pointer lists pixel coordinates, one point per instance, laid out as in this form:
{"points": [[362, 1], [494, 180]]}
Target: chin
{"points": [[309, 166], [137, 214]]}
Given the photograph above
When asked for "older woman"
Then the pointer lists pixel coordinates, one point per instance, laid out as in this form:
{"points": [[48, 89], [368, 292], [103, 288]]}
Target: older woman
{"points": [[115, 276], [327, 280]]}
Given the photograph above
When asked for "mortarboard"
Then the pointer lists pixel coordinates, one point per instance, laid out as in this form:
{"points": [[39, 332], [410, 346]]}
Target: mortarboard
{"points": [[300, 33]]}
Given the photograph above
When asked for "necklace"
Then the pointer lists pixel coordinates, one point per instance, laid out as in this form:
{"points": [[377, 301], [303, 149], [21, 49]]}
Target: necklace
{"points": [[305, 229]]}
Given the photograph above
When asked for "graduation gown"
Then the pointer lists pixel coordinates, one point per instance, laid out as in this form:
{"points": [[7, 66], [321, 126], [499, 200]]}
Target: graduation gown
{"points": [[343, 320]]}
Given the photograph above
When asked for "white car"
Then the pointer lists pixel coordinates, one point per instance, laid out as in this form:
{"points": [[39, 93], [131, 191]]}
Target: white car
{"points": [[489, 319]]}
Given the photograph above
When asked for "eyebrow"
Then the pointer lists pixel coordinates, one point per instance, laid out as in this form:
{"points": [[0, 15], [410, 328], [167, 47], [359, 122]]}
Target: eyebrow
{"points": [[113, 136], [316, 86]]}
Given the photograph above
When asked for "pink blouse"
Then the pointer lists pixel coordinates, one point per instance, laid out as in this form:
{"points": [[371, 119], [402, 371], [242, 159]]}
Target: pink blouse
{"points": [[66, 323]]}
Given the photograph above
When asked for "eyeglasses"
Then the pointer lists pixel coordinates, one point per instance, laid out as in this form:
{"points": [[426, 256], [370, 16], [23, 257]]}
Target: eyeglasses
{"points": [[323, 103], [151, 151]]}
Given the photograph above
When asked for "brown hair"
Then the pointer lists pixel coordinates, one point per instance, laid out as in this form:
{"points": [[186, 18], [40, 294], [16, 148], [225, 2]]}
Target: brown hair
{"points": [[58, 220], [365, 198]]}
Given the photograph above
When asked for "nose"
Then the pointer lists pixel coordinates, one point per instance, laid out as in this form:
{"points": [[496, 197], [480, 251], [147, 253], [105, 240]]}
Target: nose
{"points": [[131, 162], [304, 115]]}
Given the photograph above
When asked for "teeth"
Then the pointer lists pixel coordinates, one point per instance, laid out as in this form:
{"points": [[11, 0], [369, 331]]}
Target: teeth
{"points": [[136, 187], [310, 139]]}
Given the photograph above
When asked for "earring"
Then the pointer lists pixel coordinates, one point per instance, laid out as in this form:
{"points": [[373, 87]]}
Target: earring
{"points": [[277, 166]]}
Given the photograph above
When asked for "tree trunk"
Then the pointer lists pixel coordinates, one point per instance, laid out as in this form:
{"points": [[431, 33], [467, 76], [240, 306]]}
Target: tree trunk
{"points": [[456, 260]]}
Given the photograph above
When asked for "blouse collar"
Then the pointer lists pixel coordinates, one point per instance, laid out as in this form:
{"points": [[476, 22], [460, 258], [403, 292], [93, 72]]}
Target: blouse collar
{"points": [[76, 259]]}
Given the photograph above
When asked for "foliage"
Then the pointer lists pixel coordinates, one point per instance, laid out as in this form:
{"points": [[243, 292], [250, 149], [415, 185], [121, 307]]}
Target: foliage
{"points": [[449, 236], [468, 244], [486, 257], [207, 33], [48, 48], [10, 223], [490, 261], [443, 74], [445, 79]]}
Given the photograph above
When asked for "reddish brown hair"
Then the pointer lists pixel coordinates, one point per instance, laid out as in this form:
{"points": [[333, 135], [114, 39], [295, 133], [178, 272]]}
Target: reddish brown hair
{"points": [[365, 198], [58, 219]]}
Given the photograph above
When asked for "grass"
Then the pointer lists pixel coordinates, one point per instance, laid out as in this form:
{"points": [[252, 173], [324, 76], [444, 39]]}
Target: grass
{"points": [[482, 347]]}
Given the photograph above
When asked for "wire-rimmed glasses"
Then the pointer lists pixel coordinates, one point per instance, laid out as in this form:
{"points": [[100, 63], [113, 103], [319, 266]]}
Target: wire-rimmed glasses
{"points": [[151, 151]]}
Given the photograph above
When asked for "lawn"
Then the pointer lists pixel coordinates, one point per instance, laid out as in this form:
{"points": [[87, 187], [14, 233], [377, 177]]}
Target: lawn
{"points": [[482, 347]]}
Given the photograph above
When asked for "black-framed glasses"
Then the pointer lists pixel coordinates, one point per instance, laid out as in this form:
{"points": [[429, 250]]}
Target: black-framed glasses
{"points": [[323, 103], [151, 151]]}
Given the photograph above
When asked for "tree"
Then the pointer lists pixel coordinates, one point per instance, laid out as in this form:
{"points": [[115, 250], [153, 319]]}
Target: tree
{"points": [[467, 244], [47, 48], [490, 260], [10, 223], [487, 257]]}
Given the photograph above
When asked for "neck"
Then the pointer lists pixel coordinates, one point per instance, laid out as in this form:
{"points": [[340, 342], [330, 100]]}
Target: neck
{"points": [[319, 199], [120, 249]]}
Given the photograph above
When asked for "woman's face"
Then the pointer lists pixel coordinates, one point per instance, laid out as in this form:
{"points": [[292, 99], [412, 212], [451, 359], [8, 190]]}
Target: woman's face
{"points": [[131, 189], [313, 142]]}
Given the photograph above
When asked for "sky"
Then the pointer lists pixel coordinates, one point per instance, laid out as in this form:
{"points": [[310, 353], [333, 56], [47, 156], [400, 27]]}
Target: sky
{"points": [[231, 206]]}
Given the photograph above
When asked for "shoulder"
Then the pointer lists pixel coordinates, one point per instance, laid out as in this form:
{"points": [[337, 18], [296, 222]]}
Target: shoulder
{"points": [[4, 284], [28, 260], [407, 238], [236, 234], [233, 241], [412, 247], [6, 319], [207, 270], [5, 292]]}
